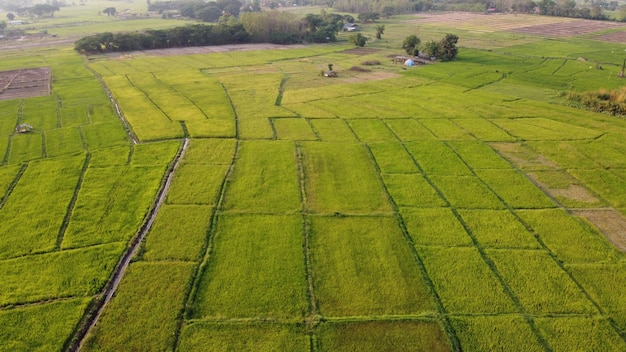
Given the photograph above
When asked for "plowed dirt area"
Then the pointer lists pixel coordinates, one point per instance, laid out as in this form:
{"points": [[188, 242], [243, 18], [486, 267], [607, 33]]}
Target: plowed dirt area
{"points": [[26, 83], [571, 28]]}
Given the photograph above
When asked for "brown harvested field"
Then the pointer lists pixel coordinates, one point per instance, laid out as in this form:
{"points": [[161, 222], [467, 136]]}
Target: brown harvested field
{"points": [[480, 22], [617, 37], [610, 222], [571, 28], [522, 23], [26, 83]]}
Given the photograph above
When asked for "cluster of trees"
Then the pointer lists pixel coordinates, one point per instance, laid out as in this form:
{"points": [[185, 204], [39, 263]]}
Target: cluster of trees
{"points": [[40, 10], [252, 27], [444, 49], [194, 35], [210, 11]]}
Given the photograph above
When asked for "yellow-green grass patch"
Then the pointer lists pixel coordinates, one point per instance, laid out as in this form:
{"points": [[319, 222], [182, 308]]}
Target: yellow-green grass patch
{"points": [[34, 212], [371, 130], [256, 270], [445, 129], [41, 327], [333, 130], [111, 204], [515, 189], [179, 233], [580, 334], [496, 333], [539, 129], [363, 266], [62, 141], [464, 282], [382, 336], [196, 184], [393, 158], [412, 190], [71, 273], [409, 130], [25, 147], [498, 229], [207, 336], [295, 129], [265, 178], [342, 178], [605, 284], [144, 313], [467, 192], [570, 238], [479, 155], [436, 226], [437, 159], [540, 284]]}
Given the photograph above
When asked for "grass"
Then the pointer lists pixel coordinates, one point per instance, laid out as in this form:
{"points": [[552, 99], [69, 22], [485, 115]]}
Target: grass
{"points": [[333, 130], [265, 179], [332, 183], [599, 281], [295, 129], [42, 327], [572, 240], [580, 334], [205, 336], [436, 226], [496, 333], [361, 266], [412, 190], [437, 159], [467, 192], [392, 158], [178, 233], [46, 184], [552, 291], [464, 281], [268, 245], [341, 178], [515, 189], [145, 311], [498, 229], [382, 336], [72, 273]]}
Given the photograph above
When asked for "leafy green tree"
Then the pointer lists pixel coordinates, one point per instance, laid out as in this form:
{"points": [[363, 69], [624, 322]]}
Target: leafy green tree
{"points": [[447, 47], [3, 25], [411, 45], [44, 10], [10, 16], [380, 30], [110, 11], [366, 17], [358, 39], [430, 48]]}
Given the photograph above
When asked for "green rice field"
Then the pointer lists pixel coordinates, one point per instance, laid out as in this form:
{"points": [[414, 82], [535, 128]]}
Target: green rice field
{"points": [[440, 207]]}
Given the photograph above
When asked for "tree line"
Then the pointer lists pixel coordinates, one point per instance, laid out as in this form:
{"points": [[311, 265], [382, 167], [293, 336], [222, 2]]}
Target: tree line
{"points": [[252, 27]]}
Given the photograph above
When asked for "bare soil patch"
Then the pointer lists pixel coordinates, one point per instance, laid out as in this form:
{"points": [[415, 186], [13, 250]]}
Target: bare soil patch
{"points": [[617, 37], [26, 83], [571, 28], [572, 192], [523, 157], [610, 222], [480, 22]]}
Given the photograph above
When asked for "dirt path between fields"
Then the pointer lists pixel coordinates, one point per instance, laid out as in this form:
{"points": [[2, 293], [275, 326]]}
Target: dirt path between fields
{"points": [[91, 319]]}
